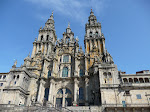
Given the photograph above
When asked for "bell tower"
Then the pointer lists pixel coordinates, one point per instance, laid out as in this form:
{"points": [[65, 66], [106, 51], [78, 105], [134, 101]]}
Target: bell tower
{"points": [[46, 39], [94, 42]]}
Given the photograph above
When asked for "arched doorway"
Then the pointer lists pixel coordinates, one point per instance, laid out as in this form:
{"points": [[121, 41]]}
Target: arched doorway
{"points": [[63, 97]]}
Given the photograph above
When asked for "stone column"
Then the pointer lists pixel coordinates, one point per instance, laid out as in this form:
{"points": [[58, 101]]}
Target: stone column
{"points": [[63, 100], [86, 66], [86, 90], [103, 41], [76, 67], [37, 46], [75, 91], [95, 43], [44, 67], [87, 46], [34, 50], [49, 49], [50, 97], [45, 48], [54, 101], [91, 46], [40, 95], [99, 46], [42, 48], [54, 67], [28, 103]]}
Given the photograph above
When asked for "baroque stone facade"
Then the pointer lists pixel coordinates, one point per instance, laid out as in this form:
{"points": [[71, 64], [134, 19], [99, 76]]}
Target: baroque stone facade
{"points": [[60, 74]]}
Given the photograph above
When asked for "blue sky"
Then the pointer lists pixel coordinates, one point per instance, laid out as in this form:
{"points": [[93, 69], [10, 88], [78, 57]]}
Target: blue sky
{"points": [[125, 24]]}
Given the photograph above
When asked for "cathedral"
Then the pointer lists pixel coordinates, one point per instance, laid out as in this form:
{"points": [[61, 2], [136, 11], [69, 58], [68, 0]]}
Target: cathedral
{"points": [[59, 74]]}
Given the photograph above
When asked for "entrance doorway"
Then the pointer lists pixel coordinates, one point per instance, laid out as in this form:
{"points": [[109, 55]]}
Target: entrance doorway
{"points": [[59, 102], [63, 97]]}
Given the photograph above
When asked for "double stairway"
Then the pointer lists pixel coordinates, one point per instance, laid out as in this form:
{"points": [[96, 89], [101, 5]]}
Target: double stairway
{"points": [[14, 108]]}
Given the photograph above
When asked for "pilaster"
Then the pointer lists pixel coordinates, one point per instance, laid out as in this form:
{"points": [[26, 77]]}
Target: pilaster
{"points": [[86, 90], [50, 98], [40, 94], [75, 91]]}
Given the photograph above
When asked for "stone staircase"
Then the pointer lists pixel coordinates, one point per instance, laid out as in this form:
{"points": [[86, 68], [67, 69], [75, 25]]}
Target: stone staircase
{"points": [[86, 108], [14, 108]]}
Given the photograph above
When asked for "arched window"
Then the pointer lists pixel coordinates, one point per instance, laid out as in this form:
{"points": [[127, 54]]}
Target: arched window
{"points": [[60, 91], [136, 80], [14, 76], [41, 37], [81, 72], [17, 76], [141, 80], [67, 39], [130, 80], [81, 94], [146, 80], [96, 33], [125, 80], [46, 93], [60, 59], [105, 75], [47, 38], [90, 34], [65, 72], [109, 75], [66, 58], [67, 91], [39, 46], [4, 76], [49, 73]]}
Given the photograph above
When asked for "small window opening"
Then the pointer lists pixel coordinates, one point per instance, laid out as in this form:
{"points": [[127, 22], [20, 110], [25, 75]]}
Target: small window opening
{"points": [[47, 37], [138, 96], [127, 92], [39, 46], [17, 76], [14, 76], [96, 33], [105, 81], [1, 84], [4, 76], [90, 34], [41, 37], [9, 102]]}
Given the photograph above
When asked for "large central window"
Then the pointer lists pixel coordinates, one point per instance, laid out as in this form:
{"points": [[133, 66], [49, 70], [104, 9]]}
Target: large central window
{"points": [[65, 72], [66, 58]]}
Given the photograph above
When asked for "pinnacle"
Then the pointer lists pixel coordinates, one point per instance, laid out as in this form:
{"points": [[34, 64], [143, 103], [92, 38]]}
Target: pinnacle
{"points": [[51, 17], [68, 24], [91, 13]]}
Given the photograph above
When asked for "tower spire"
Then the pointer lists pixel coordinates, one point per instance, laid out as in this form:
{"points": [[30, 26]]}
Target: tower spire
{"points": [[51, 17]]}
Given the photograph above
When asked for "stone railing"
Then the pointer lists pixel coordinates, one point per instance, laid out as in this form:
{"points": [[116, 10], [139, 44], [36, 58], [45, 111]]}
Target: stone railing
{"points": [[126, 105], [126, 84], [15, 108]]}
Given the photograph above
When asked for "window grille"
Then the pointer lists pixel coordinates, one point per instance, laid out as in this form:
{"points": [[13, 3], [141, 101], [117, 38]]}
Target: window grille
{"points": [[138, 96], [65, 72], [66, 58]]}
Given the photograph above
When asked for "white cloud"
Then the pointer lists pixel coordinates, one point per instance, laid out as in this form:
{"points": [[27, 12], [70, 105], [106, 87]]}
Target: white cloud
{"points": [[73, 8]]}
